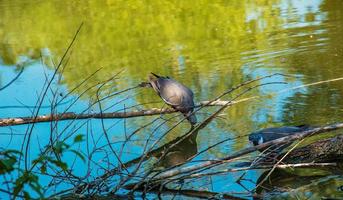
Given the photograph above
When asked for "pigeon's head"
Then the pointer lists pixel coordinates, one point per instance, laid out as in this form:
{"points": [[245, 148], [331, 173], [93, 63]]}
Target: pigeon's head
{"points": [[256, 139]]}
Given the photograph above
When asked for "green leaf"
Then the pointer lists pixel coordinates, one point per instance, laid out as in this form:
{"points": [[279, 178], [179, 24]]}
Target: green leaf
{"points": [[7, 165], [19, 184], [12, 151], [30, 179], [27, 195], [60, 164], [79, 138], [43, 169], [79, 155], [41, 158], [60, 147]]}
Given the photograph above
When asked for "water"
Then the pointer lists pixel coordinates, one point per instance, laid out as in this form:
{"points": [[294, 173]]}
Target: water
{"points": [[209, 46]]}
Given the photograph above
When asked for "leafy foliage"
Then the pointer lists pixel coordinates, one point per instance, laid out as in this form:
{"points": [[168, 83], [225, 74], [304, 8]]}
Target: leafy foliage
{"points": [[48, 160]]}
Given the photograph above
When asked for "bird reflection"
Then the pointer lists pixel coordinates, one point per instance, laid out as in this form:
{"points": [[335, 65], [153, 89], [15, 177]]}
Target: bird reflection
{"points": [[181, 152]]}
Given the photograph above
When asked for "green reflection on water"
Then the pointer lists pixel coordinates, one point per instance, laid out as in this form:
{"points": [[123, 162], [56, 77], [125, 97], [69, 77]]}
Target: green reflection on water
{"points": [[204, 44]]}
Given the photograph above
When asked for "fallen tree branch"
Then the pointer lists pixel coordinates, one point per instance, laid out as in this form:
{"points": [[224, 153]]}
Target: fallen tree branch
{"points": [[327, 150], [178, 171], [212, 163], [230, 170], [127, 114], [201, 194], [313, 153]]}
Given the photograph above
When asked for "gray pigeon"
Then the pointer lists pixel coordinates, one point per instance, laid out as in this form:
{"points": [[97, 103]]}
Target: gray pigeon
{"points": [[174, 94]]}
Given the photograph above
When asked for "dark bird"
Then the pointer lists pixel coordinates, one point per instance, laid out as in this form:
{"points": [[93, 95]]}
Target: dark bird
{"points": [[174, 94], [269, 134]]}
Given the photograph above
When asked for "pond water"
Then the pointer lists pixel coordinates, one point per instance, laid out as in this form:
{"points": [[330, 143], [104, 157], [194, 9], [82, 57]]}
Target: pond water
{"points": [[210, 46]]}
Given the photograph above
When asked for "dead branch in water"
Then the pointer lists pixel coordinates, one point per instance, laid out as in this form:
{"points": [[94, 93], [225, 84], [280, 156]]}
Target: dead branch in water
{"points": [[212, 163], [111, 115]]}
